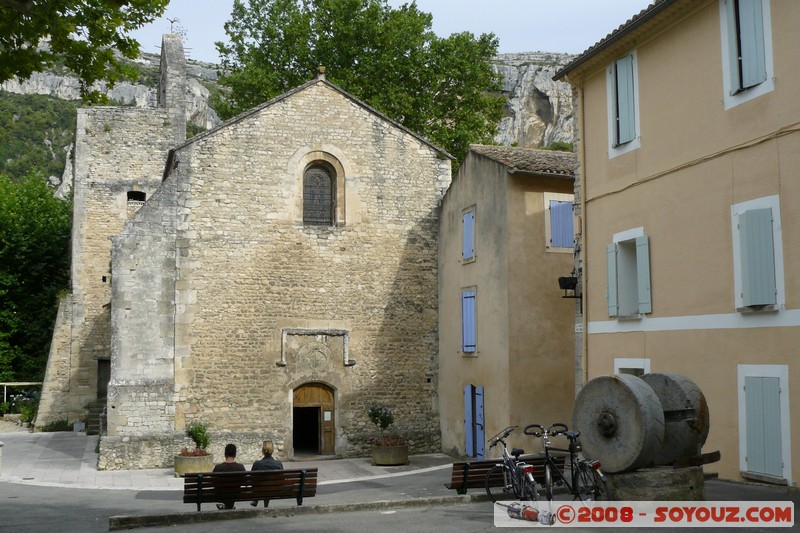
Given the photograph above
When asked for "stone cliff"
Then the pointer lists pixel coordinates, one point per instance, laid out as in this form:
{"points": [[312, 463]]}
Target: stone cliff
{"points": [[539, 110], [200, 76]]}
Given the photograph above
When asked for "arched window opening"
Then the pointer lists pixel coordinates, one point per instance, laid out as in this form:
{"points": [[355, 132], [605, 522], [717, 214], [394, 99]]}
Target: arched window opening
{"points": [[319, 196], [136, 196]]}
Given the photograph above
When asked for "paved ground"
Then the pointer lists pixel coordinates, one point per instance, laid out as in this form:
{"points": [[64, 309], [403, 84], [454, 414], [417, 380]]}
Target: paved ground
{"points": [[45, 476]]}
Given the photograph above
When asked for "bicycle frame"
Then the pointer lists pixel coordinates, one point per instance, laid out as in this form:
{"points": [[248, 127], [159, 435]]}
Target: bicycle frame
{"points": [[576, 462], [516, 474]]}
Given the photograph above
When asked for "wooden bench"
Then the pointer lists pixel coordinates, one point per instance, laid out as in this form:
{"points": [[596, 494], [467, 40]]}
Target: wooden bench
{"points": [[250, 486], [472, 474]]}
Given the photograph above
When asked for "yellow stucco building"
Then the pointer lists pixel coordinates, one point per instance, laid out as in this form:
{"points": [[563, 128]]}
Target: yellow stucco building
{"points": [[689, 179]]}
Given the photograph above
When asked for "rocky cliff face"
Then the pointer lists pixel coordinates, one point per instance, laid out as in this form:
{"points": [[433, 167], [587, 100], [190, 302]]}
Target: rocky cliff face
{"points": [[199, 77], [539, 110]]}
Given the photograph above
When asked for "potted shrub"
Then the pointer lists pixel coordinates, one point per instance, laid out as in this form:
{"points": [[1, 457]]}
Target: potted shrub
{"points": [[197, 460], [386, 450]]}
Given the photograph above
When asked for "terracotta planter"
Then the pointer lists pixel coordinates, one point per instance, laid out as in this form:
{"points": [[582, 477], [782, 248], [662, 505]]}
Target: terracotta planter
{"points": [[390, 455], [193, 464]]}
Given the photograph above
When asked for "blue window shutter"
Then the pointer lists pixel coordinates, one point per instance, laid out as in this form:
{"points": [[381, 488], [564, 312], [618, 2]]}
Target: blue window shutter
{"points": [[611, 263], [469, 421], [751, 39], [643, 274], [562, 234], [624, 98], [757, 257], [468, 321], [468, 246]]}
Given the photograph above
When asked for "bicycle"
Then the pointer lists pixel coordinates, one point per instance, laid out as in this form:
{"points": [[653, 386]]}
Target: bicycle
{"points": [[586, 481], [517, 476]]}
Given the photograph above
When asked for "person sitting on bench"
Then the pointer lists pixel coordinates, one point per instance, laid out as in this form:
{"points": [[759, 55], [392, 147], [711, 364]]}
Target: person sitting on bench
{"points": [[267, 463], [230, 465]]}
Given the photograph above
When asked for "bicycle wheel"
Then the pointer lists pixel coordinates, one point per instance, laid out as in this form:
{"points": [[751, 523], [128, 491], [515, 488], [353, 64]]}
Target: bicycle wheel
{"points": [[530, 493], [548, 482], [590, 486], [498, 484]]}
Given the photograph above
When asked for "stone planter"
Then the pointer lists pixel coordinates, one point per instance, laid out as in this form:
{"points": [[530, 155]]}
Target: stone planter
{"points": [[390, 455], [193, 464]]}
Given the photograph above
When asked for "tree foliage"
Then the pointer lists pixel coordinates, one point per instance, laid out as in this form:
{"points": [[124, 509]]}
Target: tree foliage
{"points": [[34, 132], [34, 268], [79, 34], [442, 88]]}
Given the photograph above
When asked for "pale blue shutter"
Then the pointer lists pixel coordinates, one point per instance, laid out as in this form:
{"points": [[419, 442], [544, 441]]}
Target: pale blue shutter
{"points": [[468, 246], [763, 421], [751, 39], [757, 257], [468, 321], [643, 274], [611, 264], [469, 420], [624, 98], [562, 234], [480, 430]]}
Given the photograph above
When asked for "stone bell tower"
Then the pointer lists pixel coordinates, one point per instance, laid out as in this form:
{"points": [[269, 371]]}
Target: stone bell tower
{"points": [[120, 154]]}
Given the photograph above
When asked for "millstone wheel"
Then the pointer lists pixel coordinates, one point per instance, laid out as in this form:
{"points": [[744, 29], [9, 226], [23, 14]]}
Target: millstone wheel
{"points": [[685, 416], [621, 422]]}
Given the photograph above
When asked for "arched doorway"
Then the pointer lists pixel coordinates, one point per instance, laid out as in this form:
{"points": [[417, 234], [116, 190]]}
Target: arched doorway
{"points": [[313, 419]]}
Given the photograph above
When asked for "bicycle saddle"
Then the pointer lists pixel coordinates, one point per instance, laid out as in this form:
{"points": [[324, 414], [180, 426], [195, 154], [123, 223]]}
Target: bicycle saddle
{"points": [[516, 452], [572, 435]]}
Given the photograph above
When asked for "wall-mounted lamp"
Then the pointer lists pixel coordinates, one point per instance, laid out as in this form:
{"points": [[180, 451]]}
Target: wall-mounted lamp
{"points": [[567, 284]]}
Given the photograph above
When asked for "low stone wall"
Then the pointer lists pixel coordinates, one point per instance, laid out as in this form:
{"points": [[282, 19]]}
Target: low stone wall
{"points": [[152, 451]]}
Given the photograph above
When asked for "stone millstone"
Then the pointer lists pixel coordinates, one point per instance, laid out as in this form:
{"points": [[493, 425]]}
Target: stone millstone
{"points": [[685, 415], [621, 422]]}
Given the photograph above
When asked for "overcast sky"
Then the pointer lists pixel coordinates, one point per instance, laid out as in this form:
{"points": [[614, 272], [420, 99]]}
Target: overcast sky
{"points": [[569, 26]]}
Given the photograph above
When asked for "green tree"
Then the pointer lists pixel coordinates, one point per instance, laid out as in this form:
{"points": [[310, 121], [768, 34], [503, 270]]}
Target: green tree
{"points": [[442, 88], [81, 35], [34, 131], [34, 268]]}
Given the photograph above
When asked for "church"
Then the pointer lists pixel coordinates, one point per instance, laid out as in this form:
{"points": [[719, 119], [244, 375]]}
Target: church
{"points": [[272, 277]]}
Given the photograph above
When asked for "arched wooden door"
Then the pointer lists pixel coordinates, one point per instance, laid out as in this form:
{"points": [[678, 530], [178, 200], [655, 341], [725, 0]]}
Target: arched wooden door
{"points": [[313, 426]]}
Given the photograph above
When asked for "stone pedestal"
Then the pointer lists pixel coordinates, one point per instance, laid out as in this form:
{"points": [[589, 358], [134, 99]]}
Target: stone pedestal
{"points": [[390, 455], [651, 484]]}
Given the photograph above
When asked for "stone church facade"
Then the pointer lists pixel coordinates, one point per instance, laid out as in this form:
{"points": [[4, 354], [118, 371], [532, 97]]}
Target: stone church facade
{"points": [[271, 277]]}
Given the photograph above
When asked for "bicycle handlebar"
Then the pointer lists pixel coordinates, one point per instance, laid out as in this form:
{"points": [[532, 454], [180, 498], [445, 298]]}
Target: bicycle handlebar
{"points": [[556, 429], [500, 437], [529, 430]]}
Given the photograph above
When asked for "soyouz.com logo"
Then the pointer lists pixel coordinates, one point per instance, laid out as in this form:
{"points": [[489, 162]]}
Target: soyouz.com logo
{"points": [[648, 514]]}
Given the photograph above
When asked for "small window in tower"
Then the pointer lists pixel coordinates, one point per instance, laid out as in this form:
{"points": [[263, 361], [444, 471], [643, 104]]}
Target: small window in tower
{"points": [[137, 197]]}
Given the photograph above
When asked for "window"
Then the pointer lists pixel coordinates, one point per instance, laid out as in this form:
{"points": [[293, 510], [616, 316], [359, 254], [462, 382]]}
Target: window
{"points": [[468, 235], [746, 49], [468, 341], [628, 262], [136, 197], [319, 196], [632, 366], [558, 222], [623, 105], [758, 257]]}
